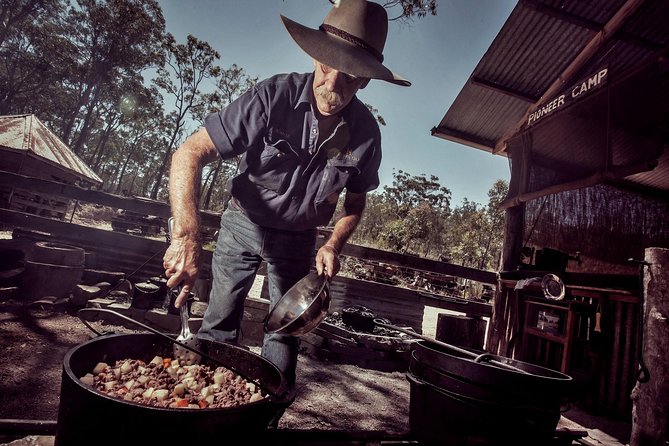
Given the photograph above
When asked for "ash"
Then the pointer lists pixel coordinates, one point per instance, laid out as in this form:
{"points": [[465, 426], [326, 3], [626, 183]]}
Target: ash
{"points": [[335, 319]]}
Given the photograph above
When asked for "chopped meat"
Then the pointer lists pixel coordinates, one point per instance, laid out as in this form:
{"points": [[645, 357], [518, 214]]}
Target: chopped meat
{"points": [[167, 383]]}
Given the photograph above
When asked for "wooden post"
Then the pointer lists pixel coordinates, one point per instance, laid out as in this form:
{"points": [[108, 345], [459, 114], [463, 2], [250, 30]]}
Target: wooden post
{"points": [[461, 331], [650, 412]]}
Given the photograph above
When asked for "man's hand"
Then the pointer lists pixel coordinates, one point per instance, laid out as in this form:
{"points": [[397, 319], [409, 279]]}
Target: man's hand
{"points": [[327, 260], [182, 266]]}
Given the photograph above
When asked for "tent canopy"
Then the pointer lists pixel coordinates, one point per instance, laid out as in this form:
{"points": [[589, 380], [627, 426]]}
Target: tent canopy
{"points": [[28, 135]]}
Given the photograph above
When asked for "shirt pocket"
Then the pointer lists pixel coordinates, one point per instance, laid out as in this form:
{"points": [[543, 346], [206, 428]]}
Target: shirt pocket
{"points": [[335, 176], [275, 167]]}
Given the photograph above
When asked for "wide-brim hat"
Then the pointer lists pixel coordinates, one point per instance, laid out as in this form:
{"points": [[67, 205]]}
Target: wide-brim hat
{"points": [[350, 40]]}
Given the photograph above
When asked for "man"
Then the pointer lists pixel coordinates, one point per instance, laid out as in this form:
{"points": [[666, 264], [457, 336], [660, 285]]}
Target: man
{"points": [[303, 138]]}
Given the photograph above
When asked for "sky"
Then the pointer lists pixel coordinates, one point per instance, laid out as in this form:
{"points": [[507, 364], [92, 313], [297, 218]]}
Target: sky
{"points": [[436, 53]]}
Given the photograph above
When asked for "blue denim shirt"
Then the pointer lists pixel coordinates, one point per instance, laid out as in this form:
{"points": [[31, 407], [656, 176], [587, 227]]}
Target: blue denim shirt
{"points": [[284, 180]]}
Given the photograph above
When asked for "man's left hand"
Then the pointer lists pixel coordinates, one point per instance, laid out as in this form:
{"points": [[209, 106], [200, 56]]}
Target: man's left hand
{"points": [[327, 261]]}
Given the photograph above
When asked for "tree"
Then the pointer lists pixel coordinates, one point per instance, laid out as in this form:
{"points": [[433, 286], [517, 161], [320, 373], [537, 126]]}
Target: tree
{"points": [[409, 191], [186, 67], [411, 8], [418, 206], [30, 31], [408, 9], [112, 38], [475, 232], [15, 14]]}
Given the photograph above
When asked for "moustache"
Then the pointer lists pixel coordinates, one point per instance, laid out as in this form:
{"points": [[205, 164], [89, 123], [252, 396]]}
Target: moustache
{"points": [[331, 97]]}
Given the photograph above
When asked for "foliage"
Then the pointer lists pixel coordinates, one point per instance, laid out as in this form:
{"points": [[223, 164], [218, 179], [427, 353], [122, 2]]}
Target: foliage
{"points": [[414, 216], [108, 79], [408, 9]]}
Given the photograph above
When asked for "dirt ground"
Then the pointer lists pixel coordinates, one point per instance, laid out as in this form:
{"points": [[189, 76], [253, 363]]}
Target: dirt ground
{"points": [[330, 396]]}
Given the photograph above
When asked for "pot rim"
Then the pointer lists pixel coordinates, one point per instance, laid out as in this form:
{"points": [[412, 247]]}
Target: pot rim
{"points": [[269, 399]]}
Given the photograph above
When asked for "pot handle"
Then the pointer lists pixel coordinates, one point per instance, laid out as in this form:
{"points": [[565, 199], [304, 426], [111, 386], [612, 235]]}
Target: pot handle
{"points": [[96, 312]]}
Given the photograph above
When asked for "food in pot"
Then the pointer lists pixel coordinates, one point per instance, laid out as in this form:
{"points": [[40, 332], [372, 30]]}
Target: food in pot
{"points": [[169, 383]]}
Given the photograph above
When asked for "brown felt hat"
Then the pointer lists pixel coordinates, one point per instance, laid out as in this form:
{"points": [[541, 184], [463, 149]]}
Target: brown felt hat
{"points": [[350, 40]]}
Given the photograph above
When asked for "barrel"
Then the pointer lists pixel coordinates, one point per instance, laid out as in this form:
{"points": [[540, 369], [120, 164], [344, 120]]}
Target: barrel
{"points": [[52, 269]]}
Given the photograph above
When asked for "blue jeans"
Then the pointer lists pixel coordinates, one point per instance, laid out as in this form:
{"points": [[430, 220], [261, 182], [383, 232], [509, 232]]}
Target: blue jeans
{"points": [[240, 249]]}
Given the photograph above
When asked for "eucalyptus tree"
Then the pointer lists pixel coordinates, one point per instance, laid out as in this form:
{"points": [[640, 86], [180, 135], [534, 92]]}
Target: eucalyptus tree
{"points": [[181, 79], [409, 191], [418, 206], [114, 39], [16, 14], [494, 235], [476, 232], [408, 9], [31, 49], [371, 224]]}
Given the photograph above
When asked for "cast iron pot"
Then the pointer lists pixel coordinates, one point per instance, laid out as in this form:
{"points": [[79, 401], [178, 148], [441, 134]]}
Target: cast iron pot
{"points": [[440, 417], [537, 381], [86, 416], [456, 397], [531, 414], [512, 397]]}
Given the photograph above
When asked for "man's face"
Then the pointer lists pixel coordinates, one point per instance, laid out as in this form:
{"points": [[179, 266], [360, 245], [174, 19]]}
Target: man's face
{"points": [[333, 90]]}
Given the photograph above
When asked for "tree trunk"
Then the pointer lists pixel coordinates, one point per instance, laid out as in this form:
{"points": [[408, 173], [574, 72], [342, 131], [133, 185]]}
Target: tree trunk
{"points": [[650, 412]]}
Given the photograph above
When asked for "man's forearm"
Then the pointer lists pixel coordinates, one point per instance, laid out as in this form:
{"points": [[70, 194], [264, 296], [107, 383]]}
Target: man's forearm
{"points": [[354, 205], [184, 183], [184, 186]]}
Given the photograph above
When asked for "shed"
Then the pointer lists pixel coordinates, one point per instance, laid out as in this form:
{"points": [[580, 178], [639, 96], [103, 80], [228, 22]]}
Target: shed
{"points": [[576, 95], [29, 148]]}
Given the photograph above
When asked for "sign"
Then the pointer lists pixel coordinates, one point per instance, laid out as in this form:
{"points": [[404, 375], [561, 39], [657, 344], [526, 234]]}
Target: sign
{"points": [[578, 91]]}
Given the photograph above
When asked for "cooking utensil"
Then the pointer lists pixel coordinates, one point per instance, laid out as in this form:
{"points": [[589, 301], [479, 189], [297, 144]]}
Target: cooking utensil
{"points": [[190, 348], [301, 308], [185, 336], [87, 416], [483, 357]]}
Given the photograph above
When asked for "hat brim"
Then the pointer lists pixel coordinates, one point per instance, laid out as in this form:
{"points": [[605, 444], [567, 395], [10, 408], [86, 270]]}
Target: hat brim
{"points": [[339, 54]]}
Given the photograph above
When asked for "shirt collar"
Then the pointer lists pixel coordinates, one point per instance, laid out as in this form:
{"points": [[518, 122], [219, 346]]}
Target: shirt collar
{"points": [[307, 92]]}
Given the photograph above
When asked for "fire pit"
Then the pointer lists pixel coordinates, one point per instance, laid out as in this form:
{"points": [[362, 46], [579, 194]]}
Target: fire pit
{"points": [[377, 349]]}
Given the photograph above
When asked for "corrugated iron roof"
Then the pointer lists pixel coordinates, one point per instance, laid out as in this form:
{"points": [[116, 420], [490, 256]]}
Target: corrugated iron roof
{"points": [[28, 133], [544, 47]]}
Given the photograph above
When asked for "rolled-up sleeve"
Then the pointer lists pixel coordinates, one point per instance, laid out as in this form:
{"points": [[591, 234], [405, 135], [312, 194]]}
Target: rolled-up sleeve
{"points": [[238, 126]]}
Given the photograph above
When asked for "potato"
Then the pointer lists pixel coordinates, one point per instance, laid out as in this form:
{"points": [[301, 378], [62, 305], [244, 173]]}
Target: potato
{"points": [[126, 368], [87, 379], [219, 378], [99, 368], [160, 394], [179, 389]]}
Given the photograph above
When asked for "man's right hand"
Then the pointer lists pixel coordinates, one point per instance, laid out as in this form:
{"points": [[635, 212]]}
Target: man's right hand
{"points": [[182, 265]]}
